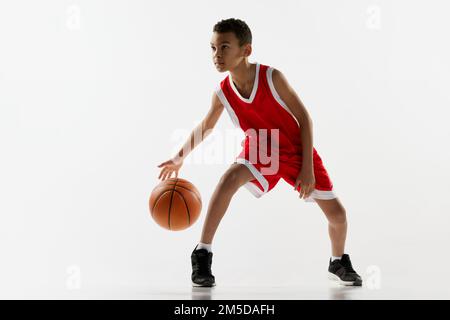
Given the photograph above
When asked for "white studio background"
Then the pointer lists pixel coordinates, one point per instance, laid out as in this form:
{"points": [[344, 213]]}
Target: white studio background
{"points": [[95, 94]]}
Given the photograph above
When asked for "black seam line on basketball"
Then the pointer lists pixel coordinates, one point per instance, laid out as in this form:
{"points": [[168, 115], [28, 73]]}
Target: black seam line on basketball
{"points": [[170, 203], [181, 196], [187, 208], [171, 198], [185, 189], [170, 184], [160, 196], [188, 190]]}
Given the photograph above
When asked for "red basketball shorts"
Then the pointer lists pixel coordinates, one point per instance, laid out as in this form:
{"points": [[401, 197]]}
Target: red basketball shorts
{"points": [[288, 169]]}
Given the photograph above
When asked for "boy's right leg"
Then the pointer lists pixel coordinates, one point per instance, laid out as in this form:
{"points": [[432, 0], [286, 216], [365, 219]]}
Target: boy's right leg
{"points": [[236, 176]]}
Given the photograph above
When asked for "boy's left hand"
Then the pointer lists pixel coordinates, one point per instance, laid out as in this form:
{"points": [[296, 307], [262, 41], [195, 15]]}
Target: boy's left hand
{"points": [[307, 182]]}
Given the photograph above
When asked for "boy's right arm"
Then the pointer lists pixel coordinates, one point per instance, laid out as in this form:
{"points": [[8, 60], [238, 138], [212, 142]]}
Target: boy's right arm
{"points": [[197, 135]]}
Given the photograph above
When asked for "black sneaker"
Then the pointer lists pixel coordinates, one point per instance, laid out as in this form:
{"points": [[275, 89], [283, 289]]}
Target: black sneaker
{"points": [[201, 268], [341, 270]]}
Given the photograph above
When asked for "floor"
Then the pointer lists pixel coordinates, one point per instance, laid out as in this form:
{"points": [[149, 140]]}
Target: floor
{"points": [[322, 290]]}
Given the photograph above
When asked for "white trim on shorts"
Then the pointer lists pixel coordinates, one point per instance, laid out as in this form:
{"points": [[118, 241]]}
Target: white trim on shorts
{"points": [[254, 189], [321, 195]]}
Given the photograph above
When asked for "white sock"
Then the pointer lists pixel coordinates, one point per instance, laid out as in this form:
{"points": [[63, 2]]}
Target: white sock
{"points": [[335, 258], [202, 245]]}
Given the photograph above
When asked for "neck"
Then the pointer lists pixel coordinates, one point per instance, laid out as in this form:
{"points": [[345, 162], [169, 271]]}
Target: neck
{"points": [[243, 75]]}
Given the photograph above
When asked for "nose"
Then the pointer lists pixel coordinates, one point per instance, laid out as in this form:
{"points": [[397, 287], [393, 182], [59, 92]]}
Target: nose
{"points": [[217, 54]]}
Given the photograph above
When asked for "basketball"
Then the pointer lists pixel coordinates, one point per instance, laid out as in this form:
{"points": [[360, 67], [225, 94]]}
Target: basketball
{"points": [[175, 204]]}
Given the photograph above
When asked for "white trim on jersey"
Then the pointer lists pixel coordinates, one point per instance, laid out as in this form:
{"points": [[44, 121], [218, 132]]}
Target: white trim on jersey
{"points": [[276, 95], [249, 185], [255, 86], [227, 106]]}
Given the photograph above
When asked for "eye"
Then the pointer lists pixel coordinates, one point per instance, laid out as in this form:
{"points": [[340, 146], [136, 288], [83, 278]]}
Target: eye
{"points": [[224, 46]]}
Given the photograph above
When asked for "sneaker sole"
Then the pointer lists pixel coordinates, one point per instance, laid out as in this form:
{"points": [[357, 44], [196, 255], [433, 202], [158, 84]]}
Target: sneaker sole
{"points": [[202, 285], [334, 277]]}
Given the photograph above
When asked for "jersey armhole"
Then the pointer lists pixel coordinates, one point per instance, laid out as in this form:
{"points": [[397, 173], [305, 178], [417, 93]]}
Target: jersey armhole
{"points": [[276, 95], [227, 106]]}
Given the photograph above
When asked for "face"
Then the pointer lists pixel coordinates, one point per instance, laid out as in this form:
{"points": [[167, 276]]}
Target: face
{"points": [[226, 52]]}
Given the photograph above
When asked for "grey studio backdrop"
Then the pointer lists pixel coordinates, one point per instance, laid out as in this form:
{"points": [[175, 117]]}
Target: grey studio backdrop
{"points": [[95, 94]]}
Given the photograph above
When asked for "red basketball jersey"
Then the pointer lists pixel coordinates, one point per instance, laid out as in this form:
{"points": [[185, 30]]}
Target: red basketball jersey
{"points": [[265, 110]]}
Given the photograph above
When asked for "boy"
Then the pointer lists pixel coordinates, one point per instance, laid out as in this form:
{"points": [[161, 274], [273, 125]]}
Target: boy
{"points": [[257, 98]]}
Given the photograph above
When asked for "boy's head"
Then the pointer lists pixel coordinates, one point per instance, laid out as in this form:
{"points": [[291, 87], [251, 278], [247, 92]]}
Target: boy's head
{"points": [[231, 43]]}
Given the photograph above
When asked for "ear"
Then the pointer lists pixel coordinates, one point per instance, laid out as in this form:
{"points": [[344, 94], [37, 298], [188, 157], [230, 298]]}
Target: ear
{"points": [[248, 49]]}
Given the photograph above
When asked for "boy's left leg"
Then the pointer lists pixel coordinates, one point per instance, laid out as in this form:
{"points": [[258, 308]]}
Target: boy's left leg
{"points": [[337, 224], [339, 269]]}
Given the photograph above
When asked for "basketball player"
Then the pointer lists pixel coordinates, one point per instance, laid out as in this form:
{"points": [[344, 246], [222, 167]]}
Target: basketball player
{"points": [[258, 97]]}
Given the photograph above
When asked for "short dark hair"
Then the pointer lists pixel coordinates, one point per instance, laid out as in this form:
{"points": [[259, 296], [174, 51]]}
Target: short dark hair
{"points": [[238, 27]]}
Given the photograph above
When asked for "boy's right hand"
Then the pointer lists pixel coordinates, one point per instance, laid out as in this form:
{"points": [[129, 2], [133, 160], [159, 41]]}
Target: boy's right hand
{"points": [[170, 166]]}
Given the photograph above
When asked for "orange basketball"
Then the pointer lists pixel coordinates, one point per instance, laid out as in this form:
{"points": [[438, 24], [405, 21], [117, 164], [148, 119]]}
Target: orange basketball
{"points": [[175, 204]]}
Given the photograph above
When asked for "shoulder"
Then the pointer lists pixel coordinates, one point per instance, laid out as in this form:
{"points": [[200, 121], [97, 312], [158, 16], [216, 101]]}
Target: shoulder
{"points": [[277, 76], [278, 81], [288, 96], [222, 84]]}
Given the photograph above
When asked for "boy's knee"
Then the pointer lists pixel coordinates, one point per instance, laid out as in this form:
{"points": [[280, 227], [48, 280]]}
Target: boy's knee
{"points": [[231, 180], [338, 216]]}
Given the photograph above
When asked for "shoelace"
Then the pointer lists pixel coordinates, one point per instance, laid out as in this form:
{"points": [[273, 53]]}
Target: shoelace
{"points": [[348, 266], [203, 264]]}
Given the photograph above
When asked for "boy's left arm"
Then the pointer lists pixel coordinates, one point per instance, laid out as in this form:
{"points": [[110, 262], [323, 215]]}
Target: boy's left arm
{"points": [[306, 177]]}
